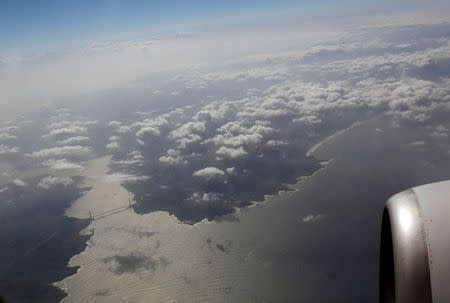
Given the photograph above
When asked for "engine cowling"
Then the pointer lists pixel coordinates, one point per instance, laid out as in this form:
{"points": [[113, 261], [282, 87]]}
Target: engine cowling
{"points": [[415, 246]]}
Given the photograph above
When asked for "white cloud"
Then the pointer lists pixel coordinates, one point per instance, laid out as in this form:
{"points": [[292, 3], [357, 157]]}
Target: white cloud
{"points": [[231, 170], [68, 130], [123, 178], [204, 197], [73, 141], [114, 124], [19, 182], [188, 129], [231, 152], [172, 157], [65, 151], [243, 139], [134, 158], [148, 130], [123, 129], [61, 164], [308, 119], [71, 124], [209, 173], [185, 141], [276, 143], [51, 181], [417, 143], [9, 129], [6, 136], [5, 150], [112, 145], [311, 218]]}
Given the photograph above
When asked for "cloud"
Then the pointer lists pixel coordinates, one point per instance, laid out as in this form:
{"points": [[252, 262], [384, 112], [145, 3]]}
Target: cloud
{"points": [[134, 262], [65, 151], [124, 178], [123, 129], [133, 158], [276, 143], [243, 139], [52, 181], [417, 143], [311, 218], [185, 141], [61, 164], [19, 182], [188, 129], [6, 150], [114, 124], [112, 145], [231, 170], [231, 152], [172, 158], [148, 130], [6, 137], [9, 129], [209, 173], [73, 141], [440, 131], [71, 124], [68, 131], [205, 197]]}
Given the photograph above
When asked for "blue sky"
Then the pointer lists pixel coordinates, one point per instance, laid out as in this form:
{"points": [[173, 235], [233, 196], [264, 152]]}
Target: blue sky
{"points": [[33, 24], [38, 24]]}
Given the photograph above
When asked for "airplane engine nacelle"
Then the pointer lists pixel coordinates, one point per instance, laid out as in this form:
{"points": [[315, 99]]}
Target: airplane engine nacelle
{"points": [[415, 246]]}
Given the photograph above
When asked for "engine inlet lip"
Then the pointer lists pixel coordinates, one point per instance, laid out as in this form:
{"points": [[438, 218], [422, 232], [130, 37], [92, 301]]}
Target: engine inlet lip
{"points": [[404, 268]]}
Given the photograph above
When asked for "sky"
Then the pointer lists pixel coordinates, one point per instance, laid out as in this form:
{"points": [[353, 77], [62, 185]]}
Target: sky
{"points": [[30, 23], [34, 25]]}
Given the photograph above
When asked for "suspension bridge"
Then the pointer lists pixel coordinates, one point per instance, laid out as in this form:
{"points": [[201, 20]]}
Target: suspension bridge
{"points": [[111, 212]]}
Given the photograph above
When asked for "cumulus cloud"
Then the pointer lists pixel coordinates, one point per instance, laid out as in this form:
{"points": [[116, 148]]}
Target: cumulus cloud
{"points": [[112, 145], [6, 136], [231, 170], [124, 178], [185, 141], [204, 197], [64, 151], [311, 218], [51, 181], [5, 150], [440, 131], [73, 141], [123, 129], [134, 158], [231, 152], [172, 158], [71, 124], [148, 130], [243, 139], [61, 164], [276, 143], [209, 173], [69, 130], [114, 124], [9, 129], [188, 129], [417, 143], [19, 182]]}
